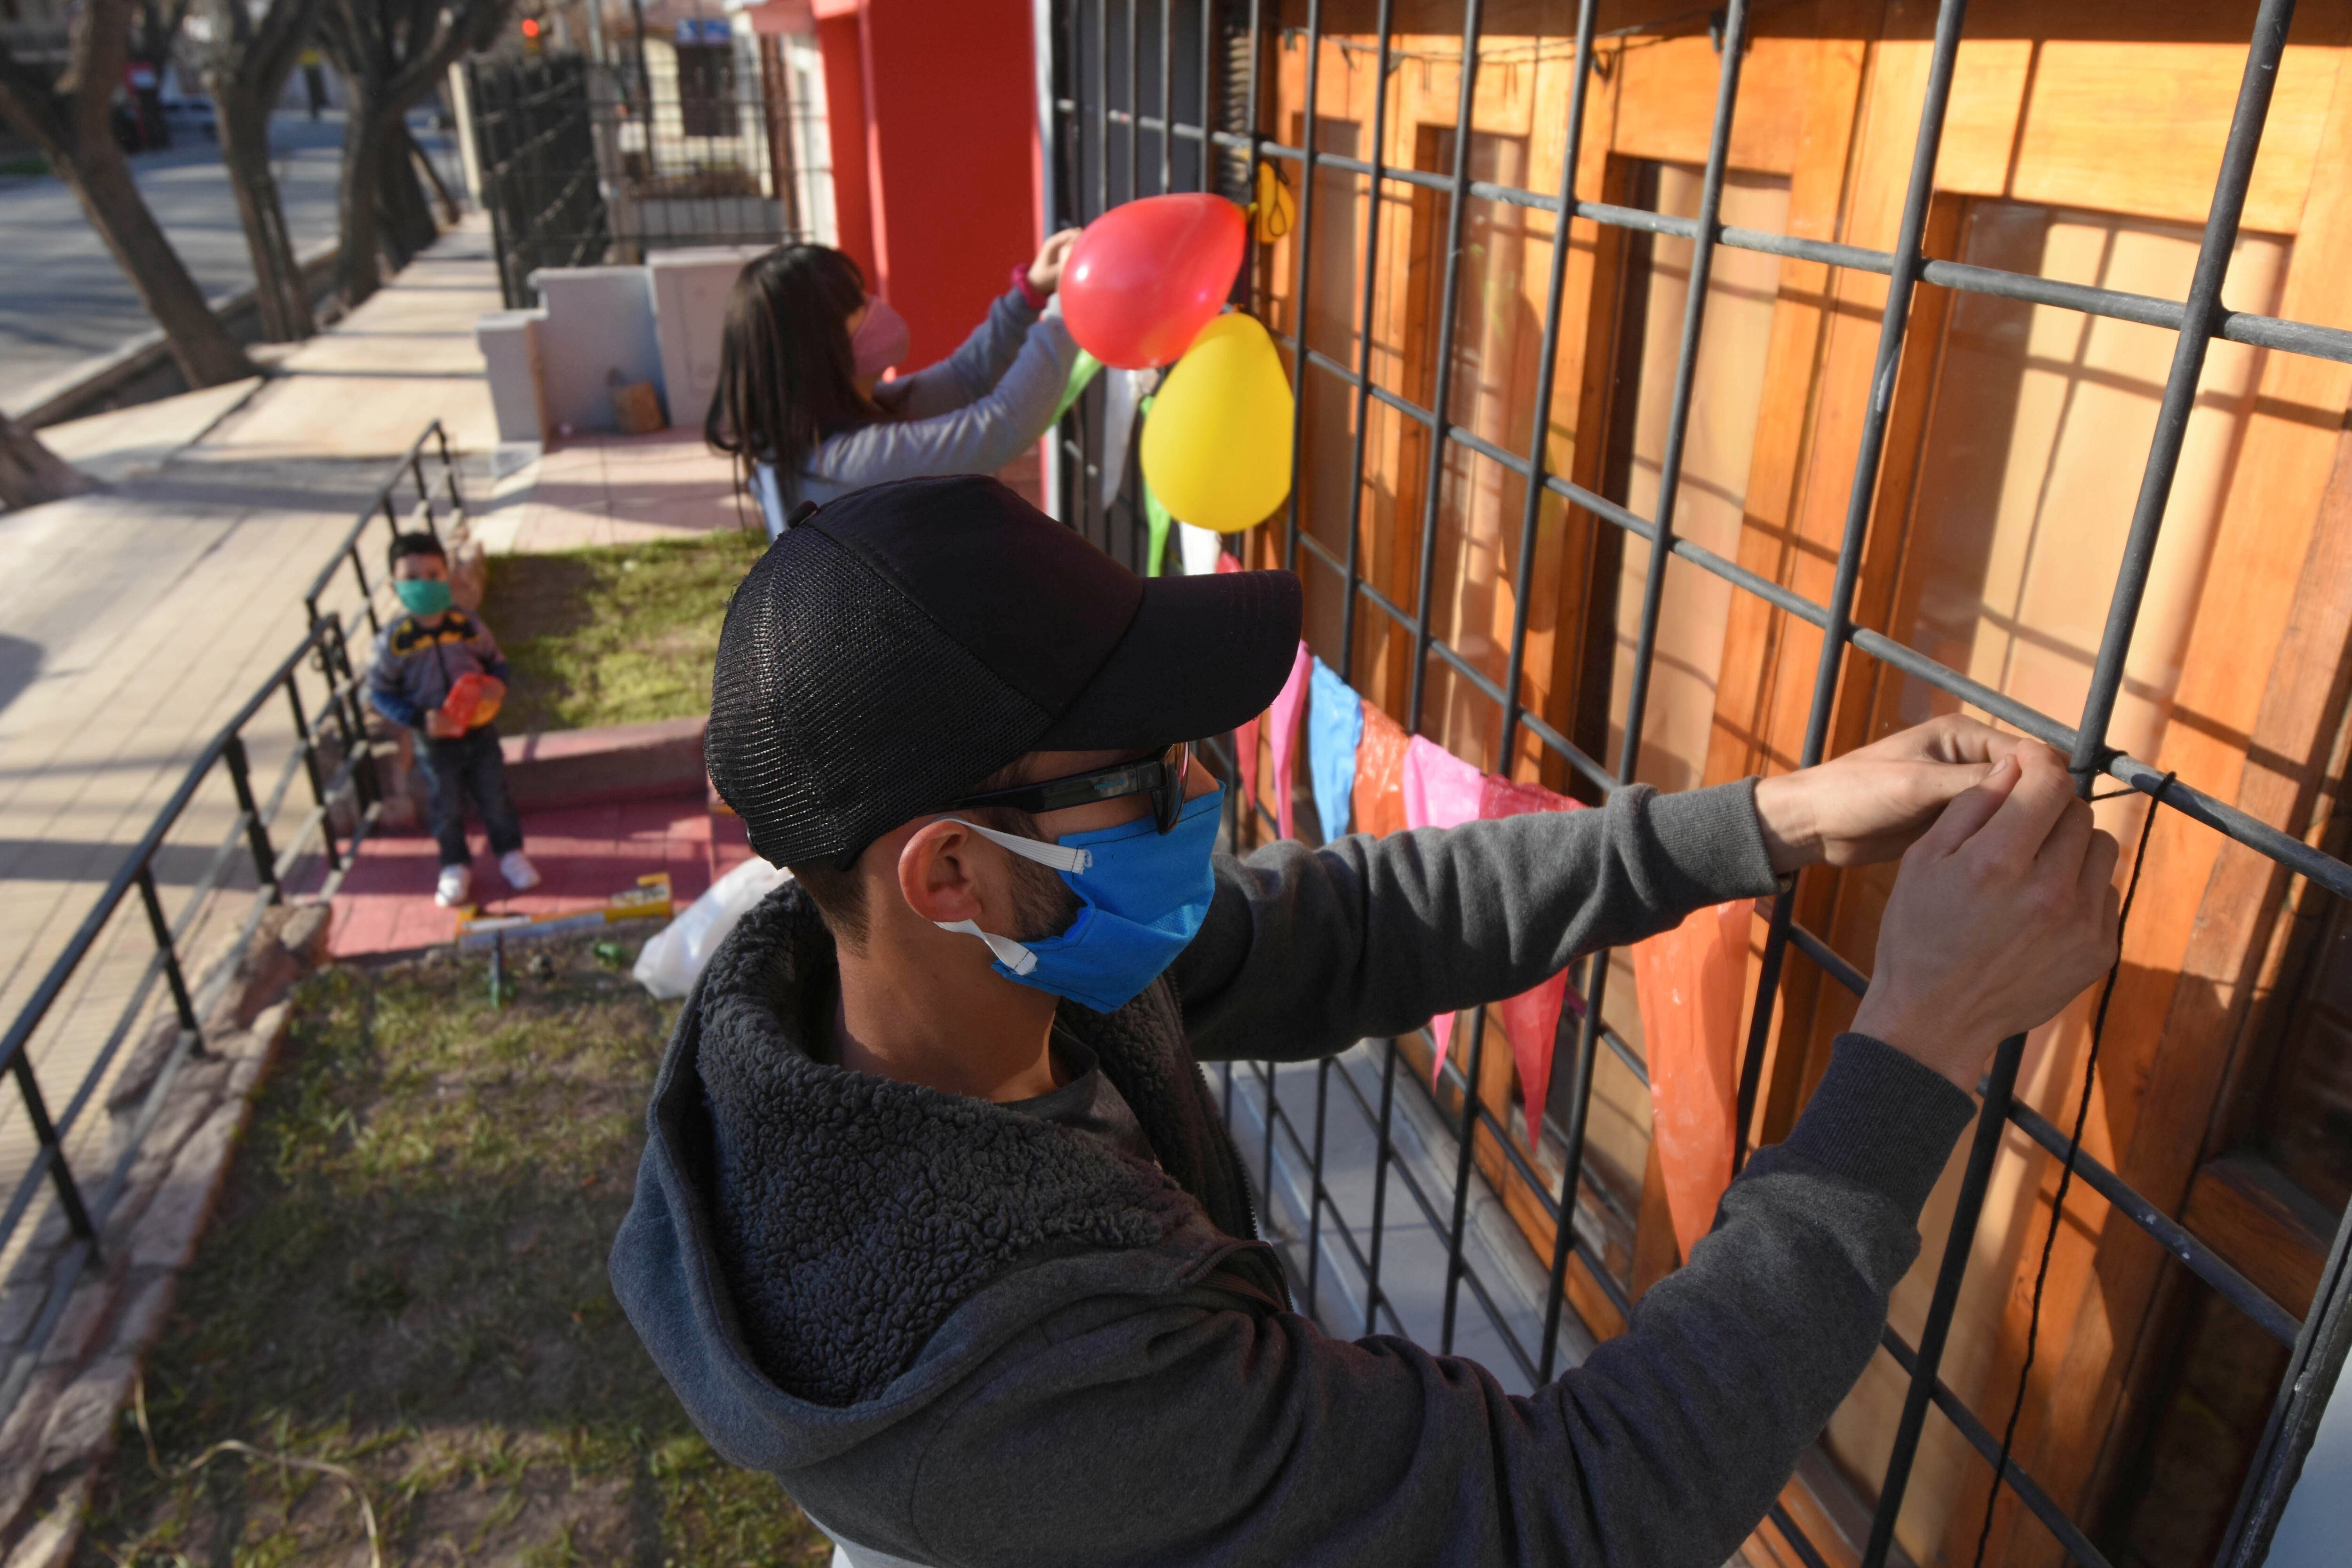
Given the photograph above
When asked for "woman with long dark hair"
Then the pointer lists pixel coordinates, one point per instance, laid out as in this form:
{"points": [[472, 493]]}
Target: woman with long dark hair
{"points": [[801, 399]]}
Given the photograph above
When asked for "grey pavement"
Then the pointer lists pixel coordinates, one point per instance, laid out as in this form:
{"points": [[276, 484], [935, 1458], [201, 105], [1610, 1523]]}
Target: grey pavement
{"points": [[63, 300]]}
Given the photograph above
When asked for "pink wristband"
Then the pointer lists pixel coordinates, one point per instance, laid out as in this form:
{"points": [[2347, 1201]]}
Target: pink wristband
{"points": [[1028, 289]]}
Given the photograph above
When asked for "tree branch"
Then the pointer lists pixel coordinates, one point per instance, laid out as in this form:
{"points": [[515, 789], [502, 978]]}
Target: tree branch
{"points": [[278, 46], [471, 25]]}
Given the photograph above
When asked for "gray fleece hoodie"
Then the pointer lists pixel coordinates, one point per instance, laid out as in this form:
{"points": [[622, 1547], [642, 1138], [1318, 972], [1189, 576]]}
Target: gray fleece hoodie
{"points": [[972, 413], [960, 1335]]}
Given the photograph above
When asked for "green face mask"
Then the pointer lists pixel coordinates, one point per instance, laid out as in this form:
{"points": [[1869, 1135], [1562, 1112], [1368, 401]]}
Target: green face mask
{"points": [[422, 595]]}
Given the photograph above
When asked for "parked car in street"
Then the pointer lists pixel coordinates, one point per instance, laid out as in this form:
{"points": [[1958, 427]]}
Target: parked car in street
{"points": [[191, 117]]}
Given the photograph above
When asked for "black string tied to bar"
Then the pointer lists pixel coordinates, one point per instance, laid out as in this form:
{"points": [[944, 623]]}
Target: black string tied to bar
{"points": [[2074, 1149]]}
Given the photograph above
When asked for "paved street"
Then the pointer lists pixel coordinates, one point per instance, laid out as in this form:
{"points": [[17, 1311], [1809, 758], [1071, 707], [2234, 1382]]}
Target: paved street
{"points": [[62, 299]]}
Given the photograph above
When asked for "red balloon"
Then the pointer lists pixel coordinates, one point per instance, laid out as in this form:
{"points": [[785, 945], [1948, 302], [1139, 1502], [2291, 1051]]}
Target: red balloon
{"points": [[1145, 277]]}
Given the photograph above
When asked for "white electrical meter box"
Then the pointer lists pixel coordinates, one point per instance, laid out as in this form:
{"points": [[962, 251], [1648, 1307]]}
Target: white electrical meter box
{"points": [[690, 288], [598, 338]]}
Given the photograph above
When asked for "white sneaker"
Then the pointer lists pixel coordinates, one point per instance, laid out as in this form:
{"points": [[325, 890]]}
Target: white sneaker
{"points": [[519, 873], [456, 886]]}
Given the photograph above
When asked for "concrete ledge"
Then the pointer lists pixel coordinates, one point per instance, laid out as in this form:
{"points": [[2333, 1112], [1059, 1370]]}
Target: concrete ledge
{"points": [[622, 761], [71, 392]]}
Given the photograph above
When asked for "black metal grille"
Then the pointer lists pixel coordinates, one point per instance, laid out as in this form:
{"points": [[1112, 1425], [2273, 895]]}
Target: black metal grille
{"points": [[535, 137], [584, 162], [1210, 60]]}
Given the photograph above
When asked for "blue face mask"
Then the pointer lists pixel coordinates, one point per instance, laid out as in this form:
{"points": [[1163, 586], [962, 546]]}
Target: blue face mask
{"points": [[1142, 896], [422, 595]]}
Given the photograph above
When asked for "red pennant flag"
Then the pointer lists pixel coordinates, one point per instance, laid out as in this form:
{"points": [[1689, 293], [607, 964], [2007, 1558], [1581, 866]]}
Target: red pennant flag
{"points": [[1689, 982], [1531, 1019]]}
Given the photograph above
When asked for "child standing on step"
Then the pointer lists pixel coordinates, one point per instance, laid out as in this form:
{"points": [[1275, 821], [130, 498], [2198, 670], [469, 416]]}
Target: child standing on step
{"points": [[420, 660]]}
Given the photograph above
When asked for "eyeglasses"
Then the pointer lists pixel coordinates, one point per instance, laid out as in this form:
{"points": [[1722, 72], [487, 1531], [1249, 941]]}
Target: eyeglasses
{"points": [[1161, 777]]}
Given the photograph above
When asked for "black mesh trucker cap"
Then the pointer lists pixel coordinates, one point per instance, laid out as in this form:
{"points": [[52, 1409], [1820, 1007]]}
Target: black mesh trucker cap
{"points": [[901, 644]]}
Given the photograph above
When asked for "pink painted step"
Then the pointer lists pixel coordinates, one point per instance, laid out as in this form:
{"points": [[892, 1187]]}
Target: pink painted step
{"points": [[584, 854]]}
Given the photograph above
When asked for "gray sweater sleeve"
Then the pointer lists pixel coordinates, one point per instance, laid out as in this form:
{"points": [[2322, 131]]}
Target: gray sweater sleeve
{"points": [[969, 373], [1193, 1431], [978, 436], [1306, 952]]}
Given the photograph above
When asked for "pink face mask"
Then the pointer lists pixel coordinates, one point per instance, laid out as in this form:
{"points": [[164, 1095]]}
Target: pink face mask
{"points": [[880, 340]]}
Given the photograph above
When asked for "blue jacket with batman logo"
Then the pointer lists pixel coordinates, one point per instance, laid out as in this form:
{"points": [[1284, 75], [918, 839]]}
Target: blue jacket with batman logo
{"points": [[415, 665]]}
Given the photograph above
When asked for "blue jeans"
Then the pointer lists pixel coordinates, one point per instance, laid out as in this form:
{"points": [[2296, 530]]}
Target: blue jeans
{"points": [[469, 766]]}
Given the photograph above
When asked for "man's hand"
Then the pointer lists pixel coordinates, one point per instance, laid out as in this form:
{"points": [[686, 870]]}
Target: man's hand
{"points": [[1046, 271], [440, 726], [1869, 806], [2004, 911]]}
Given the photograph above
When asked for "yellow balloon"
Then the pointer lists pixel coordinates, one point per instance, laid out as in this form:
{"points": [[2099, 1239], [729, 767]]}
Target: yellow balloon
{"points": [[1216, 445]]}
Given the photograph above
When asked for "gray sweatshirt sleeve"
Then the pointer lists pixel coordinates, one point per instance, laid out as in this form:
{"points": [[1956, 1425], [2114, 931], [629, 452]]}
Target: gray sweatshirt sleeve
{"points": [[969, 373], [1306, 952], [977, 436], [1187, 1431]]}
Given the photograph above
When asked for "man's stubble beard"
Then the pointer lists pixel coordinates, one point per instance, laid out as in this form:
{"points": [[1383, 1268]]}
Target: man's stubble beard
{"points": [[1043, 904]]}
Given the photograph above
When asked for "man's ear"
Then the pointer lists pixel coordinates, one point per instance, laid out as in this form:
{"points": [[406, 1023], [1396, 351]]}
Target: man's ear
{"points": [[937, 872]]}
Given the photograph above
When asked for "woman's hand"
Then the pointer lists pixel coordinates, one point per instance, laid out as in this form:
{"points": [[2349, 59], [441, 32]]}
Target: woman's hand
{"points": [[1045, 273], [1869, 806], [2005, 910]]}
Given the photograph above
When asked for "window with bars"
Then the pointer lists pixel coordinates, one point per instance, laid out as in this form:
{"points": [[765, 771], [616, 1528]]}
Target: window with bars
{"points": [[1898, 360]]}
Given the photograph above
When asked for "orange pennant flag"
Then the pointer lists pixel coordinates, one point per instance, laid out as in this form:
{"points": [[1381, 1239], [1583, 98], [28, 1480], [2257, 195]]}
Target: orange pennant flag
{"points": [[1378, 804], [1689, 982]]}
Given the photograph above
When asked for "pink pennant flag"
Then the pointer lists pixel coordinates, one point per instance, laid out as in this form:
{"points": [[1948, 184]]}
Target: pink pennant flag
{"points": [[1282, 739], [1689, 983], [1246, 736], [1441, 789], [1531, 1019]]}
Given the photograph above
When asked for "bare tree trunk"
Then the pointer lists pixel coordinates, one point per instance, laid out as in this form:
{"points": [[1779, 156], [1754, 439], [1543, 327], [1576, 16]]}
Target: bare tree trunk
{"points": [[392, 53], [72, 132], [408, 225], [278, 285], [200, 345], [30, 473], [358, 273], [247, 63]]}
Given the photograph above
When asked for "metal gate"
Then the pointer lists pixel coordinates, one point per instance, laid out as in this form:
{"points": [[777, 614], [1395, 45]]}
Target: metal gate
{"points": [[1151, 97], [533, 137], [696, 141]]}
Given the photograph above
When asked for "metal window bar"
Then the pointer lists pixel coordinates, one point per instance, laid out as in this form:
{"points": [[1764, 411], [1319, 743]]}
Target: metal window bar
{"points": [[274, 849], [1082, 106]]}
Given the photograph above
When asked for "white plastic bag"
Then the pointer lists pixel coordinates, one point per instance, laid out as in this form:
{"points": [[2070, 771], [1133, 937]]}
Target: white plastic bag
{"points": [[675, 954]]}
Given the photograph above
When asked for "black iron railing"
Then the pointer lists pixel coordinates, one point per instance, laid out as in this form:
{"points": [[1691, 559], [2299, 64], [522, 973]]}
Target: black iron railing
{"points": [[282, 845], [1209, 58]]}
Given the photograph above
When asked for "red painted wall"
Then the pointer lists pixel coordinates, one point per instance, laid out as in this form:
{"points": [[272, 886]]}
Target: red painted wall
{"points": [[845, 120], [949, 154]]}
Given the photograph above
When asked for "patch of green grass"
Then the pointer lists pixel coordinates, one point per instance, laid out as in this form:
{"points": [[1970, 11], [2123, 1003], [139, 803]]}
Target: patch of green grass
{"points": [[30, 163], [614, 637], [405, 1282]]}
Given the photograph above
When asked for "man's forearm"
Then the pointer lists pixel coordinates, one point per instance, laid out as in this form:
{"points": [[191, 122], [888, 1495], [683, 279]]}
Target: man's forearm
{"points": [[1306, 952]]}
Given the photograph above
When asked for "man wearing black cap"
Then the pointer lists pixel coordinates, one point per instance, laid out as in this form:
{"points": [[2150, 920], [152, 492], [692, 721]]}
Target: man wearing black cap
{"points": [[936, 1221]]}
